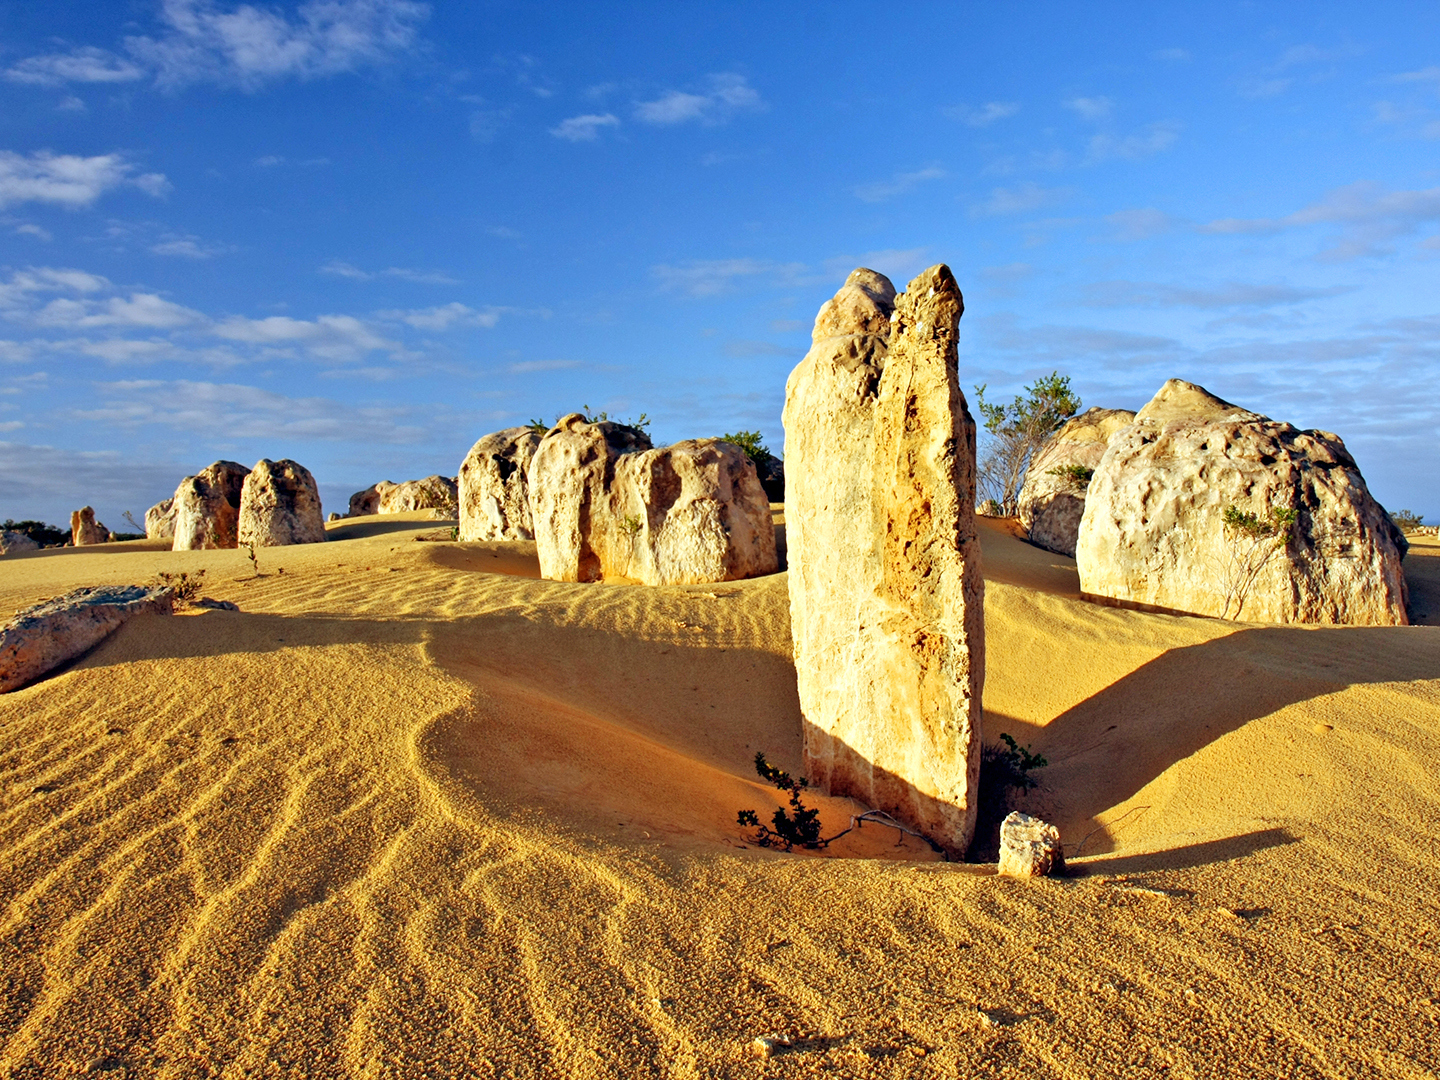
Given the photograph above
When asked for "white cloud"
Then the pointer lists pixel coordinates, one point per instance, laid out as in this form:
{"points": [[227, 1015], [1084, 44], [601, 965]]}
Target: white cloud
{"points": [[339, 268], [585, 128], [445, 316], [29, 229], [331, 337], [1233, 294], [982, 115], [728, 94], [69, 180], [525, 367], [1430, 74], [1091, 108], [1369, 218], [708, 277], [1018, 199], [898, 184], [83, 65], [188, 247], [139, 310], [1264, 88], [1155, 138], [1139, 224], [71, 103]]}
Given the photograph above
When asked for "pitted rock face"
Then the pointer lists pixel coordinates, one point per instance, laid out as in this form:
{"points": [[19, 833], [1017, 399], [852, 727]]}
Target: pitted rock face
{"points": [[280, 505], [85, 530], [367, 502], [430, 493], [207, 507], [1029, 847], [1154, 531], [1053, 499], [43, 637], [494, 495], [569, 482], [160, 520], [886, 597]]}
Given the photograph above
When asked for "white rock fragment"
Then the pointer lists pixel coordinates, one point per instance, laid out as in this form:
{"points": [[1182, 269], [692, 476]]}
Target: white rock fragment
{"points": [[1029, 847]]}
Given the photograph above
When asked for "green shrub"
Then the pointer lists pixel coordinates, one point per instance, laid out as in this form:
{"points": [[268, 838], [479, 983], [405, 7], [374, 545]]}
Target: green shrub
{"points": [[1072, 475], [185, 586], [42, 534], [1407, 520], [1003, 769], [800, 826], [752, 442]]}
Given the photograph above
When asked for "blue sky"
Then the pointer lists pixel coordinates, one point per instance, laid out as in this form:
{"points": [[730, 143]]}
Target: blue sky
{"points": [[362, 233]]}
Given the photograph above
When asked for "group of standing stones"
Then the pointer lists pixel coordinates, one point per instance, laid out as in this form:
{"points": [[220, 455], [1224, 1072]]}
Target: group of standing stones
{"points": [[437, 493], [226, 505], [1148, 527]]}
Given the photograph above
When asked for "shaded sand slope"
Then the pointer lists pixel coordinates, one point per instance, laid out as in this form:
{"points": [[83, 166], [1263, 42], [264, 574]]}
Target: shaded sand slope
{"points": [[414, 813]]}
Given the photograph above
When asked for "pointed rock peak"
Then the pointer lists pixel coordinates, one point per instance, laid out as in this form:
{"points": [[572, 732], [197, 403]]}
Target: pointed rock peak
{"points": [[862, 306], [931, 300], [1181, 400]]}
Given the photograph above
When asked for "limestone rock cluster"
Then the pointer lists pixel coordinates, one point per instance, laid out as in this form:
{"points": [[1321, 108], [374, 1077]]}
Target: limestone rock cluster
{"points": [[1052, 499], [886, 596], [85, 530], [1154, 530], [160, 520], [206, 507], [430, 493], [494, 495], [280, 505], [12, 543], [52, 632]]}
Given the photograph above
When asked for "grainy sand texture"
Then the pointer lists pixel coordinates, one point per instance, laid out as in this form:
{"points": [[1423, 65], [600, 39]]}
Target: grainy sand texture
{"points": [[414, 813]]}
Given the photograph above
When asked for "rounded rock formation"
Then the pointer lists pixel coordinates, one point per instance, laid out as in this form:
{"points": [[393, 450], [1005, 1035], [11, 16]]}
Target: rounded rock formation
{"points": [[430, 493], [160, 520], [494, 496], [85, 530], [280, 505], [207, 507], [1053, 497]]}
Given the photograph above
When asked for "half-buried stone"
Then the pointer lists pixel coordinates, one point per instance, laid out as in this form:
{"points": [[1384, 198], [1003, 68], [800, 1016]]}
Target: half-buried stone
{"points": [[53, 632], [886, 597]]}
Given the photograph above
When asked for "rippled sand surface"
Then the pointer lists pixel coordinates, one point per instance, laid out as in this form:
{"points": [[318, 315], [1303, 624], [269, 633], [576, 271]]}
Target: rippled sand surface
{"points": [[414, 813]]}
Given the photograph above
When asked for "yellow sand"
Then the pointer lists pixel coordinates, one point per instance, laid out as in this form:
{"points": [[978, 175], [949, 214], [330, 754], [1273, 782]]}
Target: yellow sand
{"points": [[414, 813]]}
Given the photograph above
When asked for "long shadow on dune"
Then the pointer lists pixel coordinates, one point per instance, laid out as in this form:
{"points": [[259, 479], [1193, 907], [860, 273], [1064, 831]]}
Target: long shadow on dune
{"points": [[369, 528], [1109, 746], [1189, 856]]}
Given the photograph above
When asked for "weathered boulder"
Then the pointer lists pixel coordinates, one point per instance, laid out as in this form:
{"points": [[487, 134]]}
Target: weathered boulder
{"points": [[207, 507], [43, 637], [1154, 532], [886, 597], [431, 493], [569, 484], [160, 520], [367, 502], [85, 530], [1053, 496], [1029, 847], [494, 498], [771, 471], [686, 514], [12, 543], [280, 505]]}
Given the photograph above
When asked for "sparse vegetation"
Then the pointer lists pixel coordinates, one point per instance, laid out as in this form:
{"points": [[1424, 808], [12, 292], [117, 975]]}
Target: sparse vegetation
{"points": [[1407, 520], [134, 524], [1004, 767], [800, 826], [631, 525], [254, 559], [1251, 541], [184, 585], [752, 442], [42, 534], [1016, 430], [540, 427], [642, 423], [1074, 475]]}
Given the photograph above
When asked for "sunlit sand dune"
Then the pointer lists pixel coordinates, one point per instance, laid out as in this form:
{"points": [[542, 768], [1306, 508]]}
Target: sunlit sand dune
{"points": [[413, 812]]}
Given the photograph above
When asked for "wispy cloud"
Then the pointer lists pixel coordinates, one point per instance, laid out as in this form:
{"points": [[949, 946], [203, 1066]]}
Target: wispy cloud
{"points": [[339, 268], [982, 115], [188, 247], [445, 316], [1151, 140], [1232, 294], [1091, 108], [69, 180], [708, 277], [329, 337], [727, 94], [1018, 199], [584, 128], [526, 367], [1173, 55], [1369, 219], [898, 184], [1138, 224], [898, 264], [82, 65]]}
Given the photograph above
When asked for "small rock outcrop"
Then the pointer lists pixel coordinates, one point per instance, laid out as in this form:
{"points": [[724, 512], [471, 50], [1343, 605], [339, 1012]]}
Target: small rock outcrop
{"points": [[85, 530], [431, 493], [1155, 530], [160, 520], [886, 597], [687, 514], [280, 505], [367, 502], [494, 496], [1029, 847], [207, 507], [12, 543], [1052, 499], [569, 483], [41, 638]]}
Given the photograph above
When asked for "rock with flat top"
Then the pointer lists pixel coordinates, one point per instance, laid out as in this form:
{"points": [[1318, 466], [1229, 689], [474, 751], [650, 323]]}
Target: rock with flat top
{"points": [[569, 485], [53, 632], [12, 543], [1029, 847], [1155, 532], [160, 520], [1052, 500], [886, 597], [280, 505], [494, 494], [85, 530], [207, 507]]}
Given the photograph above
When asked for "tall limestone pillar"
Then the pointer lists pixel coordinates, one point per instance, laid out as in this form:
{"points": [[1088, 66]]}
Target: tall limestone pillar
{"points": [[886, 595]]}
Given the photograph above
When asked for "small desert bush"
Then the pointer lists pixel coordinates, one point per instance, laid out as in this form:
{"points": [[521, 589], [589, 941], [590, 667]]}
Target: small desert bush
{"points": [[184, 585], [631, 525], [1004, 767], [797, 827], [752, 442], [1407, 520], [1073, 475]]}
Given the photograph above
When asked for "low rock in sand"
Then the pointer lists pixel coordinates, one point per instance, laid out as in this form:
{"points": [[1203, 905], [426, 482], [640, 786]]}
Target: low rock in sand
{"points": [[41, 638], [1029, 847], [85, 530], [494, 496], [280, 505], [367, 502], [429, 493]]}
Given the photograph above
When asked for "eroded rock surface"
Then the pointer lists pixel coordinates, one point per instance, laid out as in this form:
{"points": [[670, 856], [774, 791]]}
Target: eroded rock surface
{"points": [[207, 507], [886, 597], [367, 502], [160, 520], [12, 543], [85, 530], [1029, 847], [428, 493], [41, 638], [280, 505], [494, 494], [1154, 532], [569, 483], [1053, 498]]}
